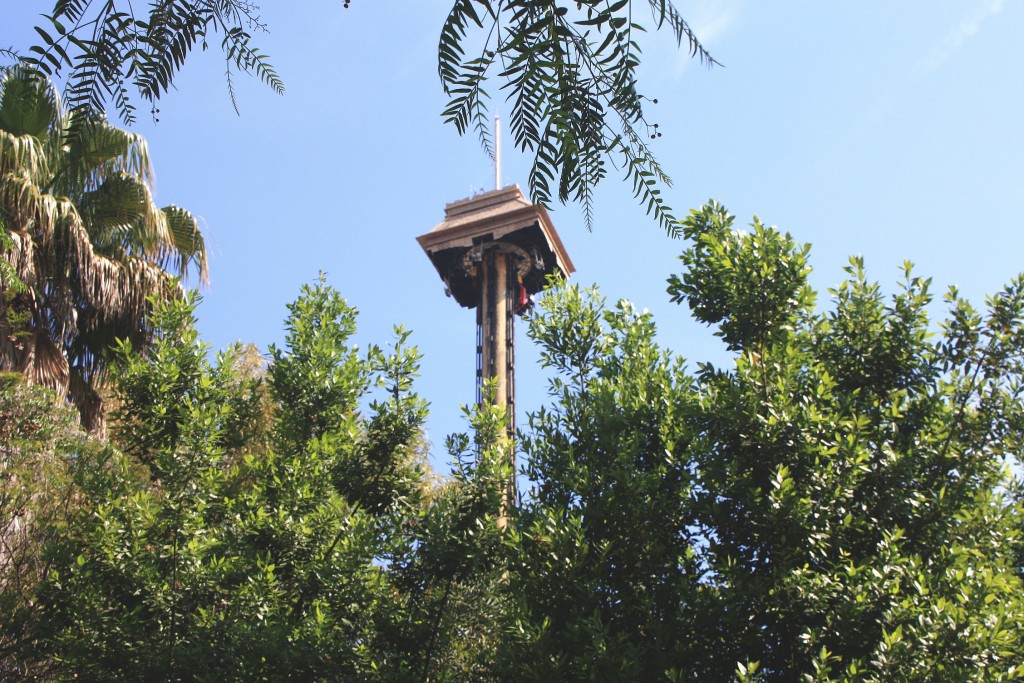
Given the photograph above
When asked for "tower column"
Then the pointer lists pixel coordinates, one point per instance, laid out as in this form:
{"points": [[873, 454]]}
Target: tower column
{"points": [[501, 329], [496, 308], [495, 312]]}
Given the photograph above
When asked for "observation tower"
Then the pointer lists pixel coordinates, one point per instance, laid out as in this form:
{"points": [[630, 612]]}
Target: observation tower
{"points": [[494, 252]]}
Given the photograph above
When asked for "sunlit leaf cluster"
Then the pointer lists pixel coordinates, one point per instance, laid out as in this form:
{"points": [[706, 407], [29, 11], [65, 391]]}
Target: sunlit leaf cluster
{"points": [[836, 504]]}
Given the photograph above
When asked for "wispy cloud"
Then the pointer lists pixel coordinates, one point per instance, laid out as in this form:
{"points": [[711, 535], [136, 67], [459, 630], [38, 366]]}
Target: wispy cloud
{"points": [[710, 20], [881, 109], [966, 29]]}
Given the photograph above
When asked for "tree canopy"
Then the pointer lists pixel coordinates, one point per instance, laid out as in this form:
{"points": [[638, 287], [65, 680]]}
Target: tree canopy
{"points": [[568, 69], [835, 505]]}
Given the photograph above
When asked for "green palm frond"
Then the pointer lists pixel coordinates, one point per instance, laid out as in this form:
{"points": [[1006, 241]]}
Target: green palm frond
{"points": [[28, 104], [29, 110], [189, 245], [95, 150], [120, 214]]}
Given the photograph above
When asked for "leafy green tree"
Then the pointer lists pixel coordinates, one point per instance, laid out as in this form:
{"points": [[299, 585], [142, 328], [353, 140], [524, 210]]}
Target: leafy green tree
{"points": [[606, 572], [569, 69], [835, 507], [448, 611], [201, 560], [269, 524], [43, 451], [82, 238]]}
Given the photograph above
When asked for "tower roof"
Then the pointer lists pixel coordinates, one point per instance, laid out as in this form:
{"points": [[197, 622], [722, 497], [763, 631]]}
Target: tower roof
{"points": [[503, 215]]}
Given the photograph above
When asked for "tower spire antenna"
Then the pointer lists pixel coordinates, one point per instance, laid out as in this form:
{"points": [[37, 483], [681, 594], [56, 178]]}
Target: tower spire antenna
{"points": [[497, 151]]}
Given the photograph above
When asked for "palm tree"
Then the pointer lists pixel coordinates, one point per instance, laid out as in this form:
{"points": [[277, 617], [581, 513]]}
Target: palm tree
{"points": [[85, 247]]}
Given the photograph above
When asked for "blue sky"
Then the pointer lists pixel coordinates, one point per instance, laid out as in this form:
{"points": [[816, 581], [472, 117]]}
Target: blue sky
{"points": [[890, 130]]}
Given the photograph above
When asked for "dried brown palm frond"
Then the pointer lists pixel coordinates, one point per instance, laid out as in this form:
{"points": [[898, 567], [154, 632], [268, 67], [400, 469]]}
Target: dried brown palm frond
{"points": [[19, 254], [86, 395], [45, 363], [23, 154]]}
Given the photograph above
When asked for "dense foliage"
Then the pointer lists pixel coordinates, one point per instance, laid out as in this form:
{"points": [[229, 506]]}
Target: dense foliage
{"points": [[43, 450], [834, 507], [838, 505], [277, 527], [569, 70]]}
